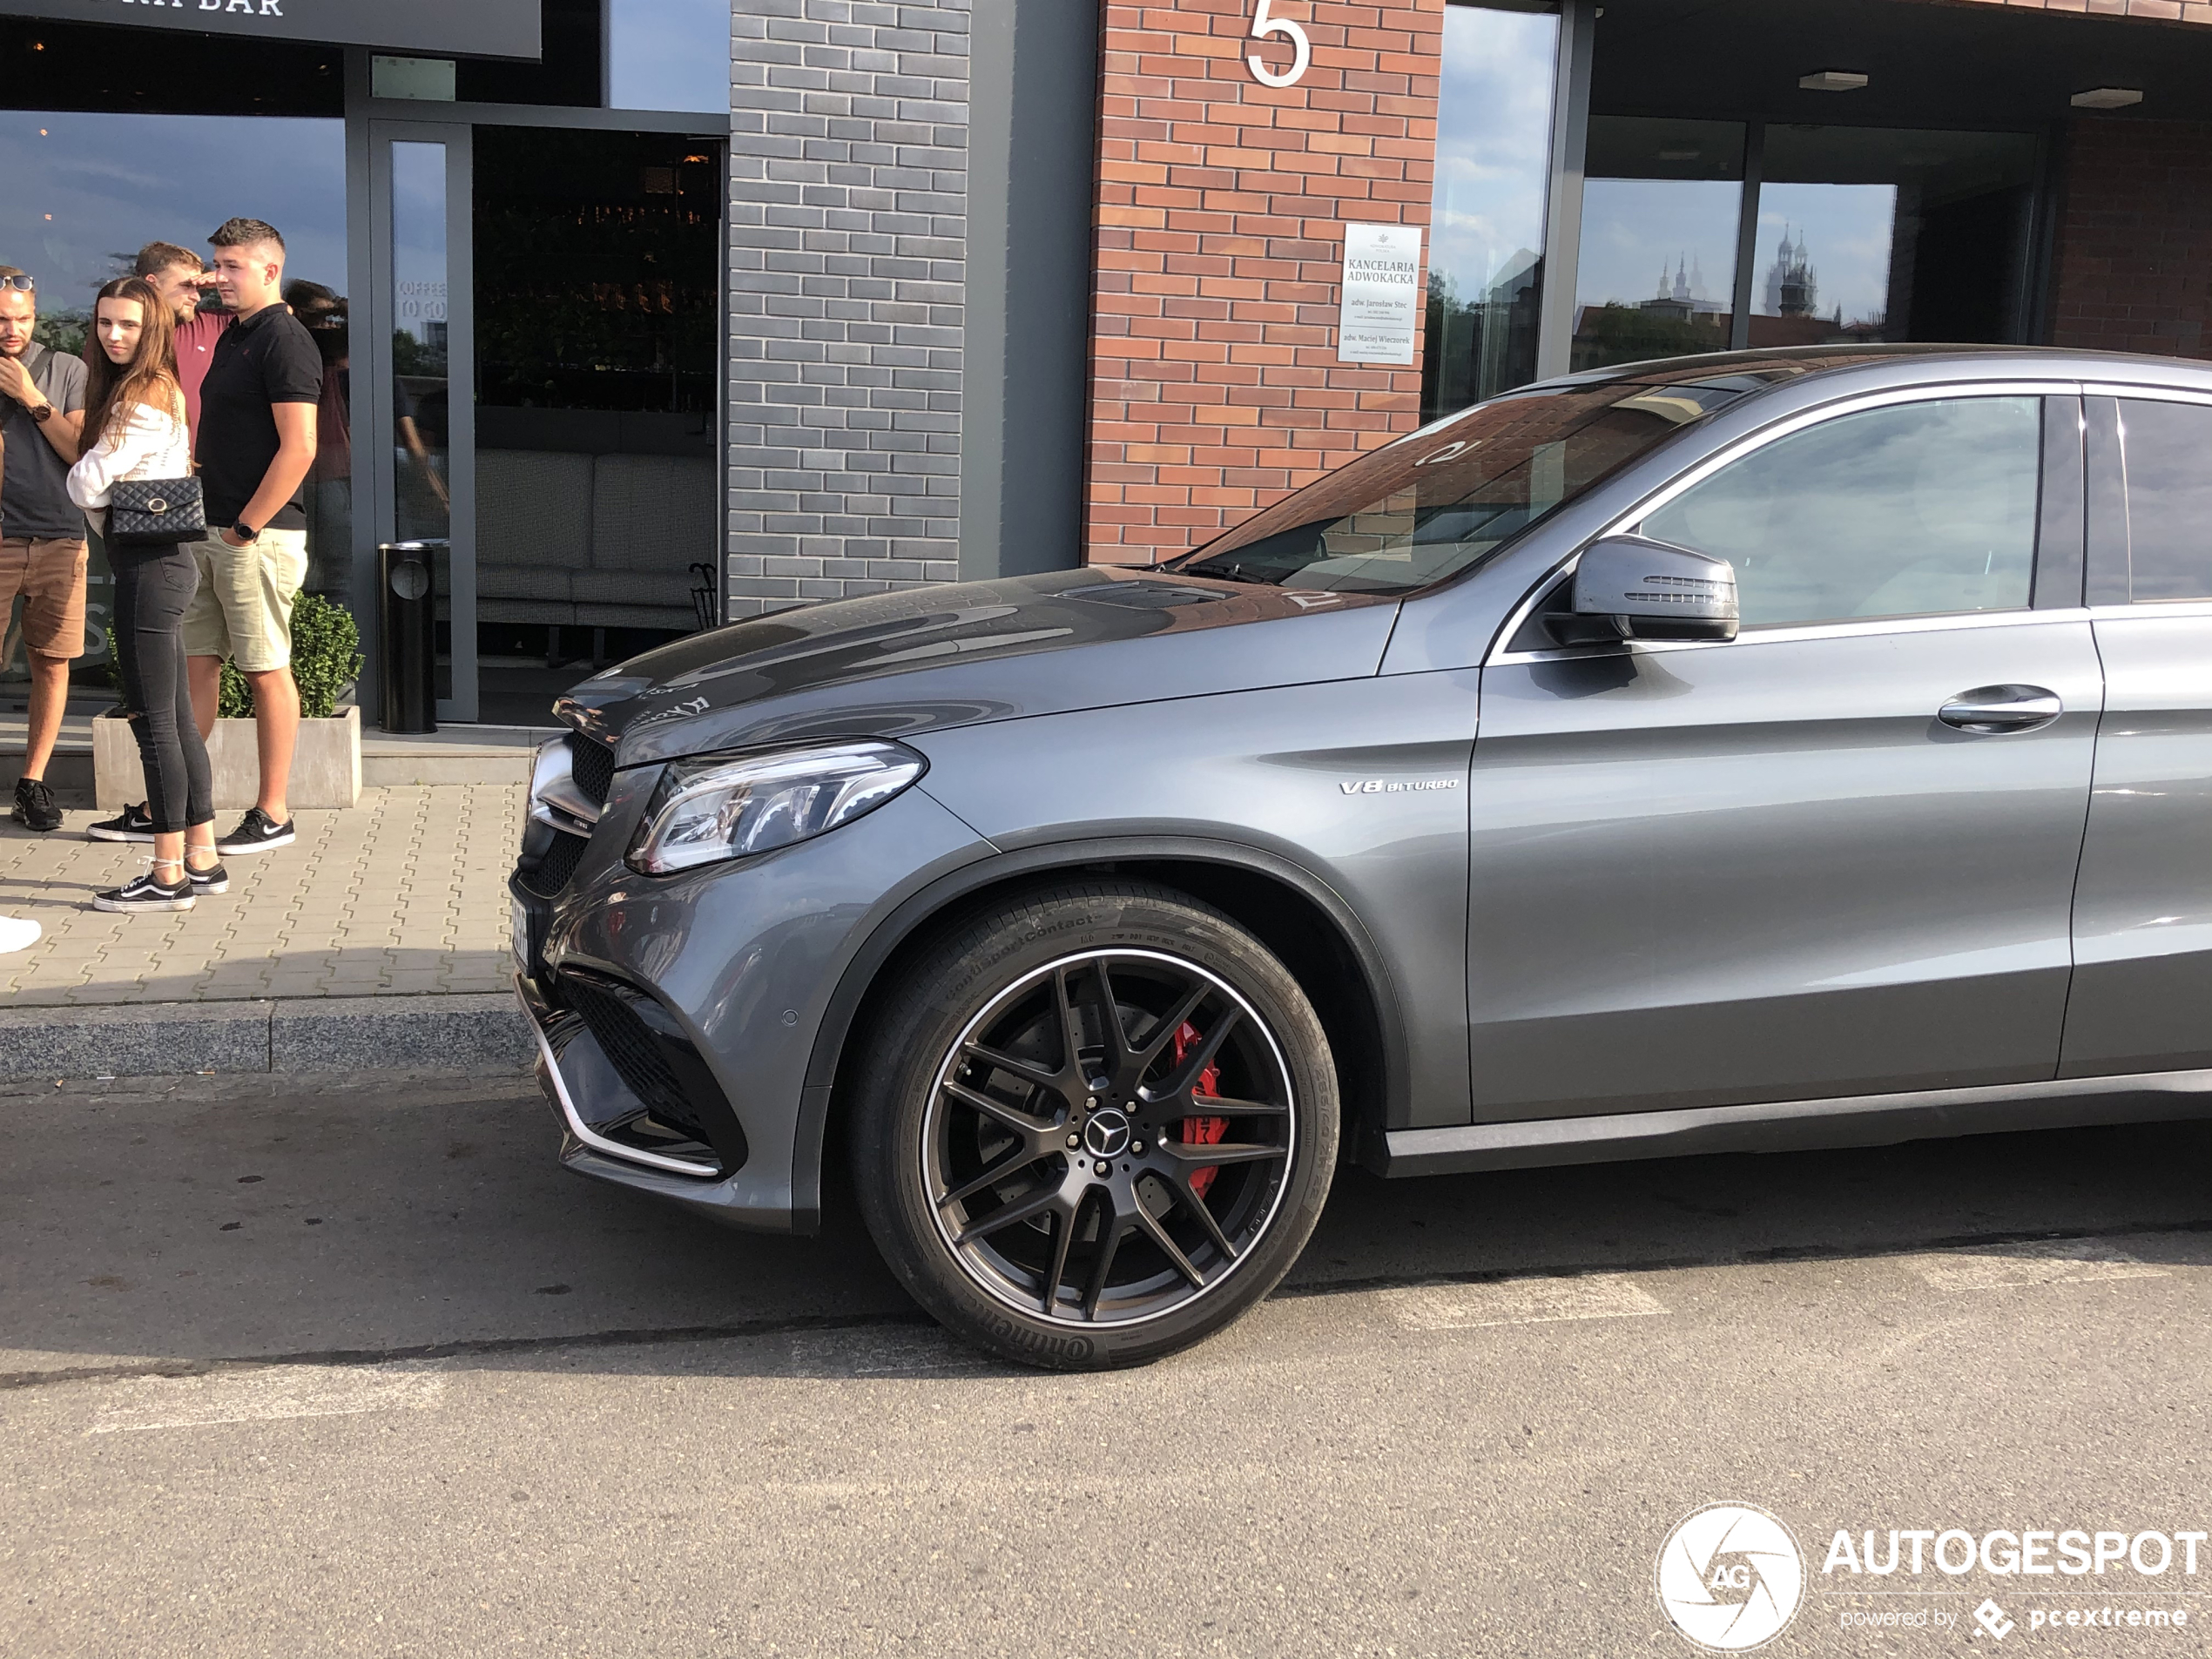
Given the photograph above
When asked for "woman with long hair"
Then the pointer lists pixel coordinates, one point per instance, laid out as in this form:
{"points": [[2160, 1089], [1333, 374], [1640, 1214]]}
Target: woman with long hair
{"points": [[135, 429]]}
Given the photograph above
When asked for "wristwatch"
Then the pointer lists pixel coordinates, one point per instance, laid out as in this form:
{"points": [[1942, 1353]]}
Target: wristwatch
{"points": [[244, 532], [43, 414]]}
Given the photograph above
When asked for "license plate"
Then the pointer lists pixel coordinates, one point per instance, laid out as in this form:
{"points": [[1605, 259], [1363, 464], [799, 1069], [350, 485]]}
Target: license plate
{"points": [[519, 934]]}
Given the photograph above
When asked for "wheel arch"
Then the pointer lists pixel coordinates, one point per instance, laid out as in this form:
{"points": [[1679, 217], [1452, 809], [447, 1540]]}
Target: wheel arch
{"points": [[1295, 913]]}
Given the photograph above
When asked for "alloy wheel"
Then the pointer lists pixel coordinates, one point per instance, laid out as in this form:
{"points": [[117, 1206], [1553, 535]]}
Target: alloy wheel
{"points": [[1109, 1138]]}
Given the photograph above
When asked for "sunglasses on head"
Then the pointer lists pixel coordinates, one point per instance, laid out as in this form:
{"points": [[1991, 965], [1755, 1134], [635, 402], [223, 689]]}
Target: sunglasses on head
{"points": [[20, 284]]}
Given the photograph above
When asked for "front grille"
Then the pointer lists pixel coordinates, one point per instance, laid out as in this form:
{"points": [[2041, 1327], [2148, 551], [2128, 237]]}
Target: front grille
{"points": [[552, 872], [592, 765], [634, 1052]]}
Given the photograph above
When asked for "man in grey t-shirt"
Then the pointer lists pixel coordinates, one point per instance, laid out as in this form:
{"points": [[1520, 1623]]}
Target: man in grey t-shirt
{"points": [[42, 534]]}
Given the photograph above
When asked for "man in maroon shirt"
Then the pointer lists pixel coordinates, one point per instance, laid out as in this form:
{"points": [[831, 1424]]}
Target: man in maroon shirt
{"points": [[178, 277]]}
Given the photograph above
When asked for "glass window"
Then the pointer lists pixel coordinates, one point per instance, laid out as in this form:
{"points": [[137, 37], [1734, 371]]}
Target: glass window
{"points": [[80, 193], [1909, 510], [2170, 499], [669, 55], [1486, 280], [1661, 211], [1876, 233], [1444, 498]]}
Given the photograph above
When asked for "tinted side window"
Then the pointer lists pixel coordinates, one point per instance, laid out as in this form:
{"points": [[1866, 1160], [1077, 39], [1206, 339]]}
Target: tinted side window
{"points": [[1915, 510], [2168, 450]]}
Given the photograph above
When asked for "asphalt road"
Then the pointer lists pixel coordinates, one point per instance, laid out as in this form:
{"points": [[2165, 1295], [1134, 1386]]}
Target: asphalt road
{"points": [[358, 1371]]}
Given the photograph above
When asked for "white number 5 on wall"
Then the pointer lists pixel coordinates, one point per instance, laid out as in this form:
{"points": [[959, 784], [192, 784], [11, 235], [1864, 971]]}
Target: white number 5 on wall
{"points": [[1262, 26]]}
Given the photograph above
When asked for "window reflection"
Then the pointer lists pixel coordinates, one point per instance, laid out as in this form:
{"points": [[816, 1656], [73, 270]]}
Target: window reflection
{"points": [[1493, 160], [421, 503], [1660, 212], [669, 55], [80, 193], [1879, 233]]}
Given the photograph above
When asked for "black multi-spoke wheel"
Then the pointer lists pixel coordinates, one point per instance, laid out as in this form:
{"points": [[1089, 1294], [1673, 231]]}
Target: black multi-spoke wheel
{"points": [[1094, 1144]]}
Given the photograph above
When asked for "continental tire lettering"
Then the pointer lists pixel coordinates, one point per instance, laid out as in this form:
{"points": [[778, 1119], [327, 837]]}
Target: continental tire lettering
{"points": [[1078, 1349]]}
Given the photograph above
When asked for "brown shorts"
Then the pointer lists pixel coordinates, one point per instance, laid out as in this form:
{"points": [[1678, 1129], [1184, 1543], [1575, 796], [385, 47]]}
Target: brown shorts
{"points": [[51, 577]]}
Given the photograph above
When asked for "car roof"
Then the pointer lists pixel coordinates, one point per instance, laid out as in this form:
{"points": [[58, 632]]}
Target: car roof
{"points": [[1752, 371]]}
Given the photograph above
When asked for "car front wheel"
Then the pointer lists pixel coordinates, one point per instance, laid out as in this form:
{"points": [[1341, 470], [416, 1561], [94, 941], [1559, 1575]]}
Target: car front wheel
{"points": [[1093, 1125]]}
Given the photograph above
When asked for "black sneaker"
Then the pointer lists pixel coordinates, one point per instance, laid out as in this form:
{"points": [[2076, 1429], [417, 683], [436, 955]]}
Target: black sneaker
{"points": [[34, 807], [255, 833], [131, 824], [213, 879], [145, 894]]}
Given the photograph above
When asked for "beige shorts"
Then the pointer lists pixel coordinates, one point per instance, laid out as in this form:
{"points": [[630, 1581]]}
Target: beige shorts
{"points": [[51, 577], [243, 609]]}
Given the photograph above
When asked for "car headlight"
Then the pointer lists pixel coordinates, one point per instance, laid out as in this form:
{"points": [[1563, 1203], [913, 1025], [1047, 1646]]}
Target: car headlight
{"points": [[731, 806]]}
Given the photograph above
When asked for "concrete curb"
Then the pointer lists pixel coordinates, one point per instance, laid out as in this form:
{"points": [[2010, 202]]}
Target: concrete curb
{"points": [[305, 1034]]}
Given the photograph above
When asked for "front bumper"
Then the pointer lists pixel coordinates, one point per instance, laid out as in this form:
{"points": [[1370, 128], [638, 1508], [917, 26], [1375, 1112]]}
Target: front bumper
{"points": [[677, 1016]]}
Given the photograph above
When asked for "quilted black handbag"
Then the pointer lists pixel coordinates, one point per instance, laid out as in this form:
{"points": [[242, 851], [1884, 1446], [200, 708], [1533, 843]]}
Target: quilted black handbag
{"points": [[156, 512]]}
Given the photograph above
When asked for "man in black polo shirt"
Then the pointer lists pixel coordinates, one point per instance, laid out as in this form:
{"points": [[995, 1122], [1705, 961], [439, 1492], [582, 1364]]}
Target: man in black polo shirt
{"points": [[257, 443]]}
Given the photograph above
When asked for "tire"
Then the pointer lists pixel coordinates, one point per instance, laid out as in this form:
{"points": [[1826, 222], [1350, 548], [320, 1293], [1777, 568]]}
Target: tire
{"points": [[1204, 1147]]}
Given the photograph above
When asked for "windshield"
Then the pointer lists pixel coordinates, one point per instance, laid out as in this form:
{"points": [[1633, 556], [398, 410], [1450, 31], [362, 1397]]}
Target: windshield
{"points": [[1444, 498]]}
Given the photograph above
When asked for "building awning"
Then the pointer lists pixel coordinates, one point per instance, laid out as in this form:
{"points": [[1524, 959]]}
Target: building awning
{"points": [[428, 28]]}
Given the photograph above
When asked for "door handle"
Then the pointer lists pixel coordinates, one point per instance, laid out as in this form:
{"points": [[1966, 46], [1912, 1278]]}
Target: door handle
{"points": [[1994, 710]]}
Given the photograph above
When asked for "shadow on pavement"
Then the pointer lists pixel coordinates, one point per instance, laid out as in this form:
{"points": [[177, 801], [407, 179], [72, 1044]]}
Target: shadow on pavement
{"points": [[254, 1219]]}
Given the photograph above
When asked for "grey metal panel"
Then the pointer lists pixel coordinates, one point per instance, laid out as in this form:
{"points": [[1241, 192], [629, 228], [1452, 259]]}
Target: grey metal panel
{"points": [[746, 957], [1034, 72], [1269, 770], [2142, 919], [1766, 871], [1861, 1120]]}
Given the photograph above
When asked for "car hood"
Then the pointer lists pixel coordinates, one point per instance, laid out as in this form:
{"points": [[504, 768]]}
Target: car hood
{"points": [[900, 664]]}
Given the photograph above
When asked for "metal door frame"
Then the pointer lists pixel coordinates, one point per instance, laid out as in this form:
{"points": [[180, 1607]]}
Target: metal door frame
{"points": [[374, 463]]}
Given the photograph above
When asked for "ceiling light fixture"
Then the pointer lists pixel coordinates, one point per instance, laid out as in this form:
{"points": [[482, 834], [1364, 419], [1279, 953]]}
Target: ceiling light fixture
{"points": [[1832, 80], [2107, 97]]}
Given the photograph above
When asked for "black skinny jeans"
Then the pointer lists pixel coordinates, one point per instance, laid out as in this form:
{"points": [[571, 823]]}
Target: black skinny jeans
{"points": [[152, 587]]}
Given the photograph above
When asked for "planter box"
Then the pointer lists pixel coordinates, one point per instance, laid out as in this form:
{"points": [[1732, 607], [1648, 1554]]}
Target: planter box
{"points": [[326, 768]]}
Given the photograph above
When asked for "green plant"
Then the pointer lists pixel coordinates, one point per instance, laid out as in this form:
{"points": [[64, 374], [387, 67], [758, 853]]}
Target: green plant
{"points": [[326, 659]]}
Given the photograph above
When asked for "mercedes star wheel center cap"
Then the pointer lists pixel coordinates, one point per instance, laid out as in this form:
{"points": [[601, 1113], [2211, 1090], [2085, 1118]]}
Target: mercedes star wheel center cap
{"points": [[1107, 1134]]}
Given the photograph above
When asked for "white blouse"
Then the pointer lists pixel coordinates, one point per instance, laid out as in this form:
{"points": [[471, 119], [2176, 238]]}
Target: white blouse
{"points": [[156, 443]]}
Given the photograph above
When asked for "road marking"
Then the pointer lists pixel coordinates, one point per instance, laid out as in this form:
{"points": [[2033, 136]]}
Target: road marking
{"points": [[266, 1396], [1522, 1301], [2063, 1261]]}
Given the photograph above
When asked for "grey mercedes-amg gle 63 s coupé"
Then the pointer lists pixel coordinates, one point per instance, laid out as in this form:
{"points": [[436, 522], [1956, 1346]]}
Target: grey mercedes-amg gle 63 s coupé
{"points": [[1740, 752]]}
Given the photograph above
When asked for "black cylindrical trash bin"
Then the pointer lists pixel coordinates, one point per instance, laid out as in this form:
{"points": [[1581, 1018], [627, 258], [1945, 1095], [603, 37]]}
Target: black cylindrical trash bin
{"points": [[406, 612]]}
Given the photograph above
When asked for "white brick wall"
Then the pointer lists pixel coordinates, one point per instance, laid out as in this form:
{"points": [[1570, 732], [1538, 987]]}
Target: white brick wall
{"points": [[847, 230]]}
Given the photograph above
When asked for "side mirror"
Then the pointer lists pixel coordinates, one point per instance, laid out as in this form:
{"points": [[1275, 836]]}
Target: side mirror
{"points": [[1627, 587]]}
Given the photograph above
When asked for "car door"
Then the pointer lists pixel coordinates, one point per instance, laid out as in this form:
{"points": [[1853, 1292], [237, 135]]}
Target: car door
{"points": [[1836, 855], [2142, 922]]}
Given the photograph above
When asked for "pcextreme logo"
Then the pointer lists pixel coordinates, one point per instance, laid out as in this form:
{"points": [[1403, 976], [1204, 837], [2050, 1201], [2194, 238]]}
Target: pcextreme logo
{"points": [[1730, 1577]]}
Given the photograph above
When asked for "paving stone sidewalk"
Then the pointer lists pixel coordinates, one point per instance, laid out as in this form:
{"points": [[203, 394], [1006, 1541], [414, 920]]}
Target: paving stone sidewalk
{"points": [[406, 894]]}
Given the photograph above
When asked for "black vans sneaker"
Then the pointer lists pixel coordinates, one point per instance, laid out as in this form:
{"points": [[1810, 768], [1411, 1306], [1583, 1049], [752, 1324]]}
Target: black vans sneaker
{"points": [[145, 894], [131, 824], [255, 833], [213, 879], [34, 807]]}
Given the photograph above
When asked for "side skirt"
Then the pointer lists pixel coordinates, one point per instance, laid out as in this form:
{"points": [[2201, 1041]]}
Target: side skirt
{"points": [[1799, 1125]]}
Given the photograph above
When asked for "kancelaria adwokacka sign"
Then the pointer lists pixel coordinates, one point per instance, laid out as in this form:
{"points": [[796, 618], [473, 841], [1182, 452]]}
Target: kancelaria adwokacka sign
{"points": [[428, 28]]}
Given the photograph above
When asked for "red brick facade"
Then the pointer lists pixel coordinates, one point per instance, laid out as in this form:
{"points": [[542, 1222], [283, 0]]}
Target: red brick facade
{"points": [[2133, 266], [1215, 385]]}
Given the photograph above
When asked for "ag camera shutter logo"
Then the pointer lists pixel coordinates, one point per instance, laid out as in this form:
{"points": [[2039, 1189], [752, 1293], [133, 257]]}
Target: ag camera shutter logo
{"points": [[1730, 1577]]}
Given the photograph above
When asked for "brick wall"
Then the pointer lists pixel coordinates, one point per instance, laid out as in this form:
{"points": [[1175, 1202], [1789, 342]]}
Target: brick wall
{"points": [[2156, 11], [848, 231], [2134, 259], [1214, 385]]}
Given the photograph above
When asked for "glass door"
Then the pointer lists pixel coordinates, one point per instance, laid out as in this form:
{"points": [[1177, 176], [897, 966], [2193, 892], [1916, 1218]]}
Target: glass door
{"points": [[421, 390]]}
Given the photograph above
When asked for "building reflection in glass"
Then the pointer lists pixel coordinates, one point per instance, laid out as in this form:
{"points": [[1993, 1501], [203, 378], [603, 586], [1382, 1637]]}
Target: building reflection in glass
{"points": [[1493, 155]]}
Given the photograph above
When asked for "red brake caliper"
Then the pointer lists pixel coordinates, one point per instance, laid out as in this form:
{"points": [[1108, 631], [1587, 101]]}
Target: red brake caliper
{"points": [[1200, 1132]]}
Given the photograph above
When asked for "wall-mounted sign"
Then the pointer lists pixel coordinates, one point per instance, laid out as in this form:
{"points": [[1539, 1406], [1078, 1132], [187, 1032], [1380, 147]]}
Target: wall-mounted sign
{"points": [[1301, 49], [464, 28], [1382, 306]]}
